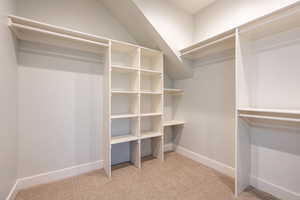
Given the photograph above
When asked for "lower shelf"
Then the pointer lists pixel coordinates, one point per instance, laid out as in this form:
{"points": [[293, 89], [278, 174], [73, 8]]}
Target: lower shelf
{"points": [[145, 135], [173, 123], [123, 138]]}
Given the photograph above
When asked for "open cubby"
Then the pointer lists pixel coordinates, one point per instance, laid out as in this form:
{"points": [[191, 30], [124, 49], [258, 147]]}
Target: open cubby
{"points": [[124, 55], [151, 126], [125, 152], [152, 148], [124, 80], [151, 103], [124, 104], [124, 130], [151, 83], [151, 60]]}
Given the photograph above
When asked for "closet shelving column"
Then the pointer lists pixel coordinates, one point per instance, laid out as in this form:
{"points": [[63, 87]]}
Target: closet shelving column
{"points": [[151, 83], [135, 100]]}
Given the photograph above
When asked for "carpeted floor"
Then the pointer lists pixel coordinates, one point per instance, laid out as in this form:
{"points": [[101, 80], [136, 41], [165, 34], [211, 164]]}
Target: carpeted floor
{"points": [[178, 178]]}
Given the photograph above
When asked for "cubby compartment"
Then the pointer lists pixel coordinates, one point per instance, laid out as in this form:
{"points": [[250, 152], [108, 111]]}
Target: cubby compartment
{"points": [[151, 103], [124, 130], [152, 148], [151, 83], [151, 60], [124, 55], [151, 126], [124, 81], [124, 104], [127, 152]]}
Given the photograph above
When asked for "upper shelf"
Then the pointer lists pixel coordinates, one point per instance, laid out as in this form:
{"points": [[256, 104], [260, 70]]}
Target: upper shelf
{"points": [[216, 45], [30, 30], [282, 20]]}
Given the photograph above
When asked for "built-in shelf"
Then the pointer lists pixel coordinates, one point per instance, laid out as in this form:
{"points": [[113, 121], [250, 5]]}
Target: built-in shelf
{"points": [[150, 93], [30, 30], [145, 135], [173, 123], [122, 139], [123, 69], [124, 116], [150, 114], [218, 45], [123, 92], [173, 91]]}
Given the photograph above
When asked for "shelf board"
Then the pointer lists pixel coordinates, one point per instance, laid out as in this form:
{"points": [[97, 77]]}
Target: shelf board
{"points": [[173, 123], [151, 93], [150, 114], [124, 92], [123, 69], [122, 139], [284, 19], [145, 135], [124, 116], [150, 72], [173, 91], [217, 45], [30, 30]]}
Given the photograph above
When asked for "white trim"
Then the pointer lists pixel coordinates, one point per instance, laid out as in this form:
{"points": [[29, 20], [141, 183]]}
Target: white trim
{"points": [[58, 174], [275, 190], [220, 167], [13, 192]]}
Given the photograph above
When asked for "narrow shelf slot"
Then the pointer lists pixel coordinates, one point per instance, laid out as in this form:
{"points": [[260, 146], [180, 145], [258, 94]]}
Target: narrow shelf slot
{"points": [[124, 80], [123, 104]]}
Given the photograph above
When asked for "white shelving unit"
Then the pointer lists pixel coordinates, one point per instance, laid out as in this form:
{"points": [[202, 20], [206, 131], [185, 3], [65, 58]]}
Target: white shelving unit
{"points": [[268, 98], [135, 101]]}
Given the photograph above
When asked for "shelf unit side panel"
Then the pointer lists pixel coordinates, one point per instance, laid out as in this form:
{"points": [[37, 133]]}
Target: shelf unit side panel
{"points": [[107, 114]]}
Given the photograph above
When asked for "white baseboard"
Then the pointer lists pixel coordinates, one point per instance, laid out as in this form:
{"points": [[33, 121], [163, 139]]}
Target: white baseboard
{"points": [[56, 175], [218, 166], [13, 192], [275, 190], [168, 147]]}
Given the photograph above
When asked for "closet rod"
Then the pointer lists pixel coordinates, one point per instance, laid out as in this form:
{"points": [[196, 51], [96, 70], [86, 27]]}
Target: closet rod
{"points": [[54, 34], [209, 44], [269, 117]]}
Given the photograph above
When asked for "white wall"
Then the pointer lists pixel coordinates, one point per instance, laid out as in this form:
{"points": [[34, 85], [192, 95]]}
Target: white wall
{"points": [[224, 15], [60, 99], [88, 16], [8, 103], [207, 107], [173, 24]]}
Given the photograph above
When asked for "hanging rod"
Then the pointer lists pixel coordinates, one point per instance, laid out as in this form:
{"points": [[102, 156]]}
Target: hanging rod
{"points": [[270, 117]]}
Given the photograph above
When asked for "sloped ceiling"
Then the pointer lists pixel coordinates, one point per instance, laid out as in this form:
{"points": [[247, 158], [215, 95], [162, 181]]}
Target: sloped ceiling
{"points": [[191, 6], [137, 24]]}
